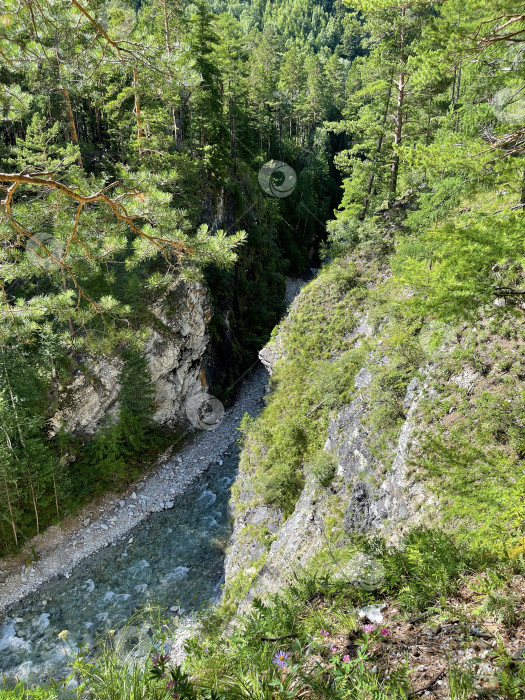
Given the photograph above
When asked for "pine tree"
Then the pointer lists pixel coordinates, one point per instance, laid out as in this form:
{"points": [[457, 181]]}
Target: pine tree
{"points": [[136, 401], [208, 121]]}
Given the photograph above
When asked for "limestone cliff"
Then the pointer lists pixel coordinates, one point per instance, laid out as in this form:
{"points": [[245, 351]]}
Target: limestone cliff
{"points": [[175, 350], [362, 498], [424, 414]]}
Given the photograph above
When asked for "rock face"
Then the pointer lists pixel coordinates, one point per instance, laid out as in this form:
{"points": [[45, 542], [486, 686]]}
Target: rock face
{"points": [[368, 497], [175, 352], [274, 351]]}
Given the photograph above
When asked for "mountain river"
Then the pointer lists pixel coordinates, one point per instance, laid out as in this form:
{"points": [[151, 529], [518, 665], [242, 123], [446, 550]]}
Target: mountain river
{"points": [[173, 558]]}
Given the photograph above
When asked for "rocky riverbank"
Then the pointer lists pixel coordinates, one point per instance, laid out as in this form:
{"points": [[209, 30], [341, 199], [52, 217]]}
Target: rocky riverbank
{"points": [[101, 523]]}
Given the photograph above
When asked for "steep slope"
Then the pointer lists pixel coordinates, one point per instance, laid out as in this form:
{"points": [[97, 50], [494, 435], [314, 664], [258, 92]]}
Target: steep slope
{"points": [[377, 422]]}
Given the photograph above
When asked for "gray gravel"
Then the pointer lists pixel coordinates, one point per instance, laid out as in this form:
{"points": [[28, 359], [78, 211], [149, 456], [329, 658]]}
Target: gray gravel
{"points": [[62, 548]]}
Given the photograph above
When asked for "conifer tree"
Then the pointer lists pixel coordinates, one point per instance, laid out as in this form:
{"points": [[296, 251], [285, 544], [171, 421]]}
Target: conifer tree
{"points": [[208, 123]]}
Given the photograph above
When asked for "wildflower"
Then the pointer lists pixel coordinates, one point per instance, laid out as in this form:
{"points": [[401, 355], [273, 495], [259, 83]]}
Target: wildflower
{"points": [[334, 650], [384, 631], [63, 634], [324, 633], [368, 628], [280, 657], [111, 633], [346, 659], [171, 684], [159, 659]]}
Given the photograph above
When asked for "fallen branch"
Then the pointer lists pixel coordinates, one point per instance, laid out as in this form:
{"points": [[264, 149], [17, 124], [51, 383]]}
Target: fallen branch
{"points": [[429, 684], [278, 639]]}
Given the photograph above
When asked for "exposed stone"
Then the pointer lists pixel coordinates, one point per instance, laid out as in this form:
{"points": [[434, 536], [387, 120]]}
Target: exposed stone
{"points": [[175, 352], [372, 613], [54, 546], [372, 496], [274, 351]]}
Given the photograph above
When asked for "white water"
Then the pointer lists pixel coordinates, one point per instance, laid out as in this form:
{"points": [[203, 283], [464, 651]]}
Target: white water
{"points": [[176, 558]]}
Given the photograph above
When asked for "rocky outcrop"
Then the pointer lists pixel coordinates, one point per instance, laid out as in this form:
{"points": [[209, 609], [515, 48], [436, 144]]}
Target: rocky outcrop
{"points": [[175, 349], [274, 350], [370, 496]]}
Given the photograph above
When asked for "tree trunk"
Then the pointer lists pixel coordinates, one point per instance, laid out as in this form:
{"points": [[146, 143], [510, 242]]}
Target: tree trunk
{"points": [[33, 498], [10, 509], [13, 402], [398, 132], [140, 132], [99, 129], [72, 126], [69, 319], [167, 37], [378, 151], [56, 495]]}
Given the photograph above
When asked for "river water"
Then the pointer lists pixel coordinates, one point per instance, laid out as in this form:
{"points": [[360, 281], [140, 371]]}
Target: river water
{"points": [[176, 557]]}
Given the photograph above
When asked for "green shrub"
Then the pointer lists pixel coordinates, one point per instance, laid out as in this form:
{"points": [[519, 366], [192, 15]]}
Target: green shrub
{"points": [[323, 467], [20, 692]]}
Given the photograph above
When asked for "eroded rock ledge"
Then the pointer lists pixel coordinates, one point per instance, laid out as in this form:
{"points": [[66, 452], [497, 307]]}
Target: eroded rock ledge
{"points": [[175, 349]]}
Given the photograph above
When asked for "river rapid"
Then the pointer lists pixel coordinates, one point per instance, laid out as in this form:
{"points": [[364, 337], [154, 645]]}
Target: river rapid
{"points": [[173, 559]]}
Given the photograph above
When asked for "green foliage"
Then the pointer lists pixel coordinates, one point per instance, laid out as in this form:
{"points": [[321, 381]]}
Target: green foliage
{"points": [[289, 434], [169, 115], [20, 692], [136, 399], [301, 622], [114, 673], [459, 270], [472, 438], [323, 467], [40, 479], [460, 683], [115, 454], [31, 477]]}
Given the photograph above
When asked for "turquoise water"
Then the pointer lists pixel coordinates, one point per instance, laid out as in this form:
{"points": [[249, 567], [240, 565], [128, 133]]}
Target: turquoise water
{"points": [[176, 558]]}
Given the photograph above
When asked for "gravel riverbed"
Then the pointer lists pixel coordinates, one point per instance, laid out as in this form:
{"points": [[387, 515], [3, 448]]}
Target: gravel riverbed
{"points": [[103, 522]]}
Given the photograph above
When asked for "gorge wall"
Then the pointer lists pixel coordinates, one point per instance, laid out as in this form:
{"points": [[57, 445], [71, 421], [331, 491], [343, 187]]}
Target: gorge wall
{"points": [[399, 447], [175, 351]]}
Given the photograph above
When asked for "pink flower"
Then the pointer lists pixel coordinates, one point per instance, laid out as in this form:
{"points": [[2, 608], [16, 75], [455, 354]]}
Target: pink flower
{"points": [[346, 659], [384, 631], [368, 628], [324, 633], [334, 650]]}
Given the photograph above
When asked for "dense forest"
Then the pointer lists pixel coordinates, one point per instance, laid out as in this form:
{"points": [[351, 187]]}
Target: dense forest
{"points": [[133, 138], [132, 135]]}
